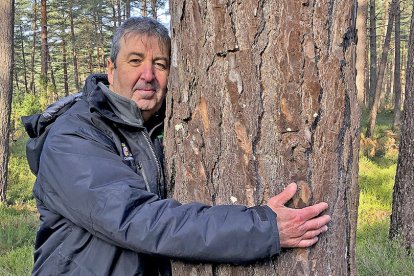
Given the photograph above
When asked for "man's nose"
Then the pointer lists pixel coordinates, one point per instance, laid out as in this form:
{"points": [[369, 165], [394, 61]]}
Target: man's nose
{"points": [[147, 73]]}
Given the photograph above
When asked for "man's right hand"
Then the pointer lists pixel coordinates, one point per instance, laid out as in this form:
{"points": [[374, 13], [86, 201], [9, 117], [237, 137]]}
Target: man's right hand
{"points": [[298, 227]]}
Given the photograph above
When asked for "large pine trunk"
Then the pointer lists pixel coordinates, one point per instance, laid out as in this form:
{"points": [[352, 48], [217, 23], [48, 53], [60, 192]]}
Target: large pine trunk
{"points": [[402, 218], [6, 77], [262, 93]]}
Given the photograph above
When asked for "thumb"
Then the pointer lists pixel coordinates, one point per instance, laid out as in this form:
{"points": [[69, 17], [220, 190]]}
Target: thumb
{"points": [[285, 195]]}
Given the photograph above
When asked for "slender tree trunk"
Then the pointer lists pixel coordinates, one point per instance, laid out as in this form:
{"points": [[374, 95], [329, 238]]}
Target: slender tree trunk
{"points": [[144, 7], [44, 54], [397, 69], [372, 53], [74, 48], [154, 9], [385, 101], [6, 87], [128, 8], [402, 218], [65, 66], [114, 16], [361, 60], [16, 80], [54, 96], [119, 10], [378, 86], [26, 87], [262, 93], [32, 64]]}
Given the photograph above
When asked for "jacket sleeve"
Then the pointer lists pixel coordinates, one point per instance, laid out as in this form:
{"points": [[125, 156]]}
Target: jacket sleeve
{"points": [[83, 179]]}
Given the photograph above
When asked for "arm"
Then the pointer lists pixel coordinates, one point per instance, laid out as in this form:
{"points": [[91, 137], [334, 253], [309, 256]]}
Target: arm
{"points": [[84, 180]]}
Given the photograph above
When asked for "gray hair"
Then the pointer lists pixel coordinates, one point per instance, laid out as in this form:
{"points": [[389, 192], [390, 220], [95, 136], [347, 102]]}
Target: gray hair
{"points": [[140, 26]]}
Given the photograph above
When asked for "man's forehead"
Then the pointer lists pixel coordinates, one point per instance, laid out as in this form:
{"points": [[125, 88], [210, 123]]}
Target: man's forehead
{"points": [[146, 40]]}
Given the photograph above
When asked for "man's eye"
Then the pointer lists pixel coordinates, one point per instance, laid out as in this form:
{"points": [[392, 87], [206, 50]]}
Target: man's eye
{"points": [[135, 61], [160, 66]]}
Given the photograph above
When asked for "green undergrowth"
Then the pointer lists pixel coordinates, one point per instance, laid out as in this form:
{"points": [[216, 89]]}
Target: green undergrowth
{"points": [[376, 253]]}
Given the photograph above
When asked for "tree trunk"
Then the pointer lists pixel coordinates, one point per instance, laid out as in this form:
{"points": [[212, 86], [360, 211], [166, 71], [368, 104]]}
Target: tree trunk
{"points": [[262, 93], [361, 54], [378, 85], [154, 9], [128, 8], [119, 10], [144, 7], [65, 66], [6, 88], [44, 53], [402, 218], [372, 53], [26, 87], [397, 69], [74, 50], [54, 95], [32, 64]]}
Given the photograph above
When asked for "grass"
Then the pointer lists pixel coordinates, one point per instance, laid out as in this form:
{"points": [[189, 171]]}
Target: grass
{"points": [[376, 254]]}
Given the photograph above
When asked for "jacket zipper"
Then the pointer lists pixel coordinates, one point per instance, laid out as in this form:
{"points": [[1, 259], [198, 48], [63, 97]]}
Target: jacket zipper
{"points": [[145, 134]]}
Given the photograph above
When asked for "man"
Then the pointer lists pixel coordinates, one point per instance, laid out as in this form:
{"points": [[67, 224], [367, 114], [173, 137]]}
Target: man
{"points": [[100, 189]]}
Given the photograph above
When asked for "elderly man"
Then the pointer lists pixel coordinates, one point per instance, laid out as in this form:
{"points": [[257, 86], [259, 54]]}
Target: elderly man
{"points": [[100, 188]]}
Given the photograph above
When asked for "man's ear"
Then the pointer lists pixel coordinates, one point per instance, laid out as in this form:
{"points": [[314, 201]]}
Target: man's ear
{"points": [[110, 70]]}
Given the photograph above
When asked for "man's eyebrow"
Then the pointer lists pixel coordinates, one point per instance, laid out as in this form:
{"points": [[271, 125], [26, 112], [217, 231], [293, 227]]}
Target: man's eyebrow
{"points": [[135, 54]]}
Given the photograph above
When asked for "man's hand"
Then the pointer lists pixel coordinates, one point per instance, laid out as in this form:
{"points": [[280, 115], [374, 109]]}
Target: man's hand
{"points": [[298, 227]]}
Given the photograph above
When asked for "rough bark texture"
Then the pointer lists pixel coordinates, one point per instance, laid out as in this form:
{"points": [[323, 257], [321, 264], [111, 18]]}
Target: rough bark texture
{"points": [[6, 78], [262, 93], [397, 69], [378, 86], [361, 51], [402, 218]]}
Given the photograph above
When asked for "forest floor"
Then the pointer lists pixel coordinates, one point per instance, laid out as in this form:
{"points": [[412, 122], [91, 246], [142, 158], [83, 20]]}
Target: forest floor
{"points": [[376, 254]]}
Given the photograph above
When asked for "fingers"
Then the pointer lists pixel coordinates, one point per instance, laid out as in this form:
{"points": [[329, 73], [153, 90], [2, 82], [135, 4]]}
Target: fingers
{"points": [[285, 195], [314, 233], [314, 210], [316, 223], [307, 243]]}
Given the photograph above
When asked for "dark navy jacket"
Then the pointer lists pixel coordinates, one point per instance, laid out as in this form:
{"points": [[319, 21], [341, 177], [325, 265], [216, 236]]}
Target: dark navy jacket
{"points": [[101, 197]]}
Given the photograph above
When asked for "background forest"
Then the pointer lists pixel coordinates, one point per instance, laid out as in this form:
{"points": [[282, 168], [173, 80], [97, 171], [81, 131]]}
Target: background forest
{"points": [[58, 43]]}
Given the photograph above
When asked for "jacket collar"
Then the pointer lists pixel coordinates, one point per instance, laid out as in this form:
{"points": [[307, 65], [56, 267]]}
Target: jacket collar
{"points": [[99, 102]]}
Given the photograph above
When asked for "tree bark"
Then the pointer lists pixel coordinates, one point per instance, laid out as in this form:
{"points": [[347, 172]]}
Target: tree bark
{"points": [[44, 53], [397, 69], [402, 218], [32, 64], [262, 93], [372, 53], [383, 63], [361, 51], [6, 88]]}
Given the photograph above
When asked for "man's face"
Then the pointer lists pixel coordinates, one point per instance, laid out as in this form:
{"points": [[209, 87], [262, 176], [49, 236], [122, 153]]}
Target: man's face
{"points": [[141, 73]]}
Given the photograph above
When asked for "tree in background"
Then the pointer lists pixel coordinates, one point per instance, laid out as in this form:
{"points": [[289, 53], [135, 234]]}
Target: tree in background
{"points": [[380, 77], [397, 68], [372, 52], [361, 51], [402, 218], [6, 89], [262, 93]]}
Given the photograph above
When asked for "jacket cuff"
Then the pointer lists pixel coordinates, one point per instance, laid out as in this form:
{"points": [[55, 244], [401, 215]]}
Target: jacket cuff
{"points": [[271, 216]]}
